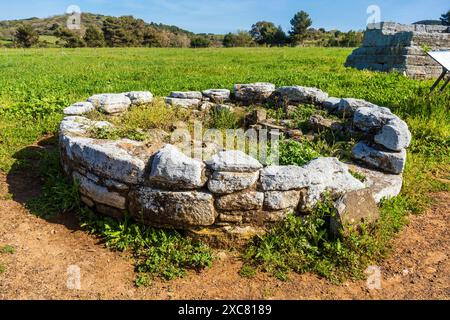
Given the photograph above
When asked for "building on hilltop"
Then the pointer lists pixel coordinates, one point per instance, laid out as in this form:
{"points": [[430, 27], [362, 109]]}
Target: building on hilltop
{"points": [[389, 46]]}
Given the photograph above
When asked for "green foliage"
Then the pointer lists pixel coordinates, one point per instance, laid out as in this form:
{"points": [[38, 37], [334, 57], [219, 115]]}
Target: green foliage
{"points": [[225, 119], [445, 18], [200, 42], [2, 268], [300, 24], [238, 39], [303, 244], [94, 37], [159, 253], [26, 36], [247, 272], [71, 39], [361, 177], [296, 153], [7, 249]]}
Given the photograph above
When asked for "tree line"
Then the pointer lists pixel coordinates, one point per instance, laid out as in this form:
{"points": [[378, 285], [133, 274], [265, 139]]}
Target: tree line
{"points": [[127, 31]]}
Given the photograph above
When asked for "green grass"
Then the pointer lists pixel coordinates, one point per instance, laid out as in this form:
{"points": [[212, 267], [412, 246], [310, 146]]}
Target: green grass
{"points": [[35, 85], [7, 249]]}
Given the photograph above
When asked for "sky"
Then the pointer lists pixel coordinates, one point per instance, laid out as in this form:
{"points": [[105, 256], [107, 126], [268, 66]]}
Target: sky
{"points": [[223, 16]]}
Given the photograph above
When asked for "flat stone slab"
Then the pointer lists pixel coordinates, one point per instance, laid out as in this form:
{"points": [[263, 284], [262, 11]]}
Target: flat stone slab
{"points": [[79, 108], [253, 92], [372, 119], [182, 103], [139, 97], [391, 162], [233, 161], [382, 185], [298, 94], [98, 193], [284, 178], [187, 95], [242, 201], [280, 200], [111, 103], [230, 182], [173, 209], [348, 106], [217, 95], [111, 159]]}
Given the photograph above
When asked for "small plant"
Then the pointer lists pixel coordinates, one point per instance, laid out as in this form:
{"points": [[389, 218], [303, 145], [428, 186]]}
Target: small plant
{"points": [[361, 177], [295, 153], [7, 197], [2, 268], [247, 272], [143, 280], [8, 249], [224, 119]]}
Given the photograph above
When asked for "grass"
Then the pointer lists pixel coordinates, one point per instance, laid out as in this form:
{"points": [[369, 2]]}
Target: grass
{"points": [[35, 85]]}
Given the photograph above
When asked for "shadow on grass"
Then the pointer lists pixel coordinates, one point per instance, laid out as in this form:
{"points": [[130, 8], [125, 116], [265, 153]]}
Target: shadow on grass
{"points": [[32, 181]]}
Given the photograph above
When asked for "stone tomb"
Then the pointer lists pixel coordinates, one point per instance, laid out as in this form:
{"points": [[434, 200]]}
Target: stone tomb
{"points": [[230, 197]]}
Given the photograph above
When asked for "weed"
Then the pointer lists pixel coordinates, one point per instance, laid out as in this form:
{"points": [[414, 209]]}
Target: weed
{"points": [[8, 249], [247, 272], [296, 153], [361, 177]]}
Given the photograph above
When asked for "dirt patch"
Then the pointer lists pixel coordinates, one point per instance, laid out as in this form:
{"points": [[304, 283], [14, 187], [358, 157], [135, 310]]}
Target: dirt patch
{"points": [[418, 268]]}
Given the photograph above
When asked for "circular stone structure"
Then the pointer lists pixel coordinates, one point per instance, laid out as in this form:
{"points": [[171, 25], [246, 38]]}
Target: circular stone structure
{"points": [[230, 197]]}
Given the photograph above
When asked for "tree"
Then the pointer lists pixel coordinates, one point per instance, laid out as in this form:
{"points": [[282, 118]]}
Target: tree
{"points": [[263, 32], [124, 31], [26, 37], [94, 37], [239, 39], [200, 42], [445, 18], [70, 38], [280, 38], [300, 24]]}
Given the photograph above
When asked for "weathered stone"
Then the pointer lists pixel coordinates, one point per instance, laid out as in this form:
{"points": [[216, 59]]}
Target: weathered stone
{"points": [[391, 162], [246, 200], [328, 175], [372, 119], [116, 185], [99, 194], [254, 92], [233, 161], [172, 168], [230, 218], [74, 125], [187, 95], [395, 135], [279, 200], [256, 116], [297, 94], [173, 209], [113, 159], [331, 104], [354, 208], [318, 123], [111, 103], [79, 108], [382, 185], [139, 97], [217, 95], [229, 182], [183, 103], [223, 107], [283, 178], [347, 107]]}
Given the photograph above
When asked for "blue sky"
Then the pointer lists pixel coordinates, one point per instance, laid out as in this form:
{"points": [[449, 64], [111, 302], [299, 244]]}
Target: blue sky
{"points": [[221, 16]]}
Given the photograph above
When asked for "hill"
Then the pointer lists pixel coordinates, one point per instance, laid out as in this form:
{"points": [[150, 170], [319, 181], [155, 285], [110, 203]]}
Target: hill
{"points": [[47, 26]]}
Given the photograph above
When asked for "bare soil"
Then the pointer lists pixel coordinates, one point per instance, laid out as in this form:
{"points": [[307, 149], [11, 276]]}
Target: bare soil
{"points": [[419, 267]]}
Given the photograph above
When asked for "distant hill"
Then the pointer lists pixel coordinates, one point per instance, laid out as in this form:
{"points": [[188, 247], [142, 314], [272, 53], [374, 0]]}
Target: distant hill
{"points": [[46, 26], [430, 22]]}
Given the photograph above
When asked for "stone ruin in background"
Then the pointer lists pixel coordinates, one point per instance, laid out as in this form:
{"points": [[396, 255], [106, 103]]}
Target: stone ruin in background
{"points": [[391, 46]]}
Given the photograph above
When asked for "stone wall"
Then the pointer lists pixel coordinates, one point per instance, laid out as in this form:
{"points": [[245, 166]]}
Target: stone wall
{"points": [[229, 197], [396, 47]]}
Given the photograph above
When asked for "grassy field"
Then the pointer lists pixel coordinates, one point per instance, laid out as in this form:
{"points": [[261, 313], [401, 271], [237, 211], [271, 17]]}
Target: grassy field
{"points": [[35, 85]]}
